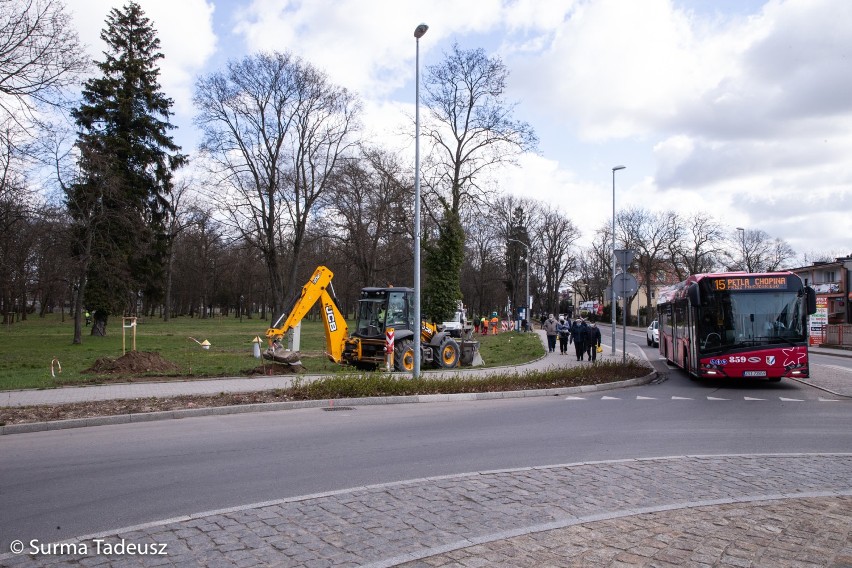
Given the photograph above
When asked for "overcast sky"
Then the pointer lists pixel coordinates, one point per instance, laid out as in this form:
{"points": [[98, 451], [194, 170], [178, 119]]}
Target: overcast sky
{"points": [[738, 108]]}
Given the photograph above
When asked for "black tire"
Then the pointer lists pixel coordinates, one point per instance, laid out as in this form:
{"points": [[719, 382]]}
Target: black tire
{"points": [[403, 356], [649, 341], [448, 354]]}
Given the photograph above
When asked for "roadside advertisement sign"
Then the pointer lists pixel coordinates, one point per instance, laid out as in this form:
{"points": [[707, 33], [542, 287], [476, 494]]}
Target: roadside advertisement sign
{"points": [[818, 321]]}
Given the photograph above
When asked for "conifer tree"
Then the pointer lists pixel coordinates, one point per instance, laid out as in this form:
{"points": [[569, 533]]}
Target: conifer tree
{"points": [[127, 157]]}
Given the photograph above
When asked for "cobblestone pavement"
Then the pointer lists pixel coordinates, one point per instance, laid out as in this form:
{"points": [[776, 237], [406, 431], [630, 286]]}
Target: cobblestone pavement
{"points": [[775, 534], [764, 510]]}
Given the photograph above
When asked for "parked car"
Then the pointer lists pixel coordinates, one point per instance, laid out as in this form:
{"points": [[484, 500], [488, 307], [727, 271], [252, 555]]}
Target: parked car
{"points": [[653, 334]]}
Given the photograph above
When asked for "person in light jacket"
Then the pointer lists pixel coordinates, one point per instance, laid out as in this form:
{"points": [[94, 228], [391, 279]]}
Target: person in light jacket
{"points": [[550, 329]]}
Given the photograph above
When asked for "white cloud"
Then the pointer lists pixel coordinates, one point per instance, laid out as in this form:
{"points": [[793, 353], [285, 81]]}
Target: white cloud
{"points": [[745, 114]]}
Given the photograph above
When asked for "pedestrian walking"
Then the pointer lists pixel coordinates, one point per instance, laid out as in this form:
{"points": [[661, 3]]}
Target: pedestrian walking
{"points": [[594, 336], [495, 323], [550, 329], [578, 335], [564, 331]]}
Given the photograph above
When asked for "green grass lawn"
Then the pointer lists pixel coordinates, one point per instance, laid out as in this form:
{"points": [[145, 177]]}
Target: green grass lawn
{"points": [[27, 348]]}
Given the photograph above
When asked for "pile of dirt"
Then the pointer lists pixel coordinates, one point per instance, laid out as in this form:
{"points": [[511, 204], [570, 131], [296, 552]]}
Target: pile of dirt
{"points": [[133, 362]]}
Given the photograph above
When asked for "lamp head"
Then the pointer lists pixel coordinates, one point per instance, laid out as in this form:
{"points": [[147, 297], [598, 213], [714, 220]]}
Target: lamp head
{"points": [[420, 30], [618, 168]]}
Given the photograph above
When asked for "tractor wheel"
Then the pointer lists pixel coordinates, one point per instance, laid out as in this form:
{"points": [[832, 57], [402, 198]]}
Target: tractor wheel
{"points": [[403, 356], [448, 354]]}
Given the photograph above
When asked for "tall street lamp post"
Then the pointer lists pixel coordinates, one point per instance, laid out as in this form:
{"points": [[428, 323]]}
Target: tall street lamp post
{"points": [[527, 298], [612, 285], [741, 231], [418, 33]]}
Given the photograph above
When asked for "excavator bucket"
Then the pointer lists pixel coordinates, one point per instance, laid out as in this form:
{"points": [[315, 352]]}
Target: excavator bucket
{"points": [[281, 355]]}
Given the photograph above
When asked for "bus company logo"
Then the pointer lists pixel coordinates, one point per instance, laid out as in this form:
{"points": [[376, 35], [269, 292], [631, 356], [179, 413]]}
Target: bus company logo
{"points": [[718, 361], [755, 360], [770, 360]]}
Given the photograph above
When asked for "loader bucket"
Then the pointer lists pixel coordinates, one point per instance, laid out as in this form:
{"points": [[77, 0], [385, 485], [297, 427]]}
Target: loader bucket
{"points": [[470, 356]]}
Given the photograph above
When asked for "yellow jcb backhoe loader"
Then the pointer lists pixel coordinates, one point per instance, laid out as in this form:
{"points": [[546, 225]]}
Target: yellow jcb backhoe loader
{"points": [[378, 310]]}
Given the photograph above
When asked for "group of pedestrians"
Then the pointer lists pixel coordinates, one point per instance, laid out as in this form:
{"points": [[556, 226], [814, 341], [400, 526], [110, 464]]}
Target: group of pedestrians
{"points": [[585, 336]]}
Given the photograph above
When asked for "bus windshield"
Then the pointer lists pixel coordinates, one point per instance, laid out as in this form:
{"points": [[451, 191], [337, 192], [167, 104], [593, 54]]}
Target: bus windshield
{"points": [[730, 319]]}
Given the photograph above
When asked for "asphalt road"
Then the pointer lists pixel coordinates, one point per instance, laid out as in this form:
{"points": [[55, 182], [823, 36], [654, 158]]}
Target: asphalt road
{"points": [[59, 484]]}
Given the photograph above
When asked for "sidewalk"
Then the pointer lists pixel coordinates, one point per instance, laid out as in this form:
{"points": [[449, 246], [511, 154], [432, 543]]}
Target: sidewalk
{"points": [[766, 510]]}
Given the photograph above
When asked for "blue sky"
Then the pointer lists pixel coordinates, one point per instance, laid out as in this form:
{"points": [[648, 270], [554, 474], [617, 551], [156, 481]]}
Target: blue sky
{"points": [[741, 109]]}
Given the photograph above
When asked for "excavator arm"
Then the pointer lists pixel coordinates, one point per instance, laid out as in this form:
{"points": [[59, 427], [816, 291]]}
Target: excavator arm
{"points": [[336, 329]]}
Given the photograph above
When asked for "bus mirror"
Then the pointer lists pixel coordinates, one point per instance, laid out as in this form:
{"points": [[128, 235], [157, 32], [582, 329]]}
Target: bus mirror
{"points": [[810, 300], [692, 294]]}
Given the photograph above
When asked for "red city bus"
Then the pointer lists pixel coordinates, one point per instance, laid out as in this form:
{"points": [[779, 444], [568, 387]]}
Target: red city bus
{"points": [[737, 324]]}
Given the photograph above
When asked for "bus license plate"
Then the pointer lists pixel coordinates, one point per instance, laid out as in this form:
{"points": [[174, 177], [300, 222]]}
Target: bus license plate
{"points": [[754, 373]]}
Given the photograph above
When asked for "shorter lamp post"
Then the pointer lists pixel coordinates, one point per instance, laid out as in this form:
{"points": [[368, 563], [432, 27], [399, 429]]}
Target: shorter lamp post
{"points": [[527, 298], [612, 286]]}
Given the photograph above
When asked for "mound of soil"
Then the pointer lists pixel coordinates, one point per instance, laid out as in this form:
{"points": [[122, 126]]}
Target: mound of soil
{"points": [[133, 362]]}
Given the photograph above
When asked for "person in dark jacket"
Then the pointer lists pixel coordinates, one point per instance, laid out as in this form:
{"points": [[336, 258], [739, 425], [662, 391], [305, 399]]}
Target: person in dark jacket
{"points": [[578, 336], [564, 330], [593, 336]]}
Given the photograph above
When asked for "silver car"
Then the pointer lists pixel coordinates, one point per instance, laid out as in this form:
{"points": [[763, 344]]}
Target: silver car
{"points": [[653, 334]]}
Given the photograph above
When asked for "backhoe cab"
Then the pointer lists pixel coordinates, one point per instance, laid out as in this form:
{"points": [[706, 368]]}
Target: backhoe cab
{"points": [[379, 309]]}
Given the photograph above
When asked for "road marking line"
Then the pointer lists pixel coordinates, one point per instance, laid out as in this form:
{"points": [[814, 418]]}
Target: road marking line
{"points": [[791, 399], [750, 398], [828, 399], [681, 398], [715, 398], [610, 398], [574, 398], [645, 398]]}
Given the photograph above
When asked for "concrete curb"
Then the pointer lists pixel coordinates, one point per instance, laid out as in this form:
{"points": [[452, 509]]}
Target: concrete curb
{"points": [[295, 405]]}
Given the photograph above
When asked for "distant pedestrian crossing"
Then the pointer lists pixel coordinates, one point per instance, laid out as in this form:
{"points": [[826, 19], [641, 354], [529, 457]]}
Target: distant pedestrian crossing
{"points": [[710, 398]]}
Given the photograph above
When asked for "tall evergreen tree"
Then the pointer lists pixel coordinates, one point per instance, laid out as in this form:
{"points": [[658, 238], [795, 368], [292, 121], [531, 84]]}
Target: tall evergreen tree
{"points": [[120, 203]]}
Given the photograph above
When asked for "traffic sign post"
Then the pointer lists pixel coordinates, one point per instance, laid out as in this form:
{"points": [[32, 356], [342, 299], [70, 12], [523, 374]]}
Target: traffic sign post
{"points": [[625, 286]]}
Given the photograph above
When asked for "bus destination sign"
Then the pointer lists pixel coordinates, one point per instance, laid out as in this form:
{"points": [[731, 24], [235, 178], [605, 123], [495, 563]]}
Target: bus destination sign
{"points": [[751, 283]]}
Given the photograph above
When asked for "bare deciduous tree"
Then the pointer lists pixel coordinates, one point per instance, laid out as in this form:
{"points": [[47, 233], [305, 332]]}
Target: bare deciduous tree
{"points": [[274, 130], [39, 55], [470, 129], [756, 251], [555, 235], [369, 214], [697, 244], [650, 235]]}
